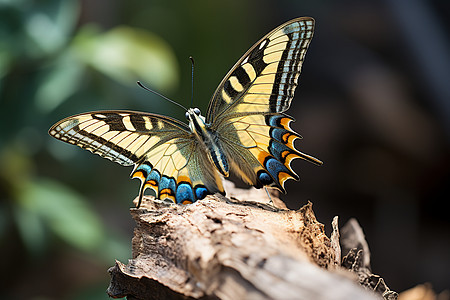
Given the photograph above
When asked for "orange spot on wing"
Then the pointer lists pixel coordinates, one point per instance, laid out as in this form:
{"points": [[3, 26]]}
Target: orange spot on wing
{"points": [[183, 178], [288, 139], [187, 202], [282, 177], [284, 154], [291, 140], [152, 184], [262, 157], [167, 194], [167, 191], [138, 174], [285, 123], [285, 137], [289, 158]]}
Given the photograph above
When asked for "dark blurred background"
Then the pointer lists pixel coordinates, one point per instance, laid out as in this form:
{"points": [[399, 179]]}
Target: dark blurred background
{"points": [[373, 104]]}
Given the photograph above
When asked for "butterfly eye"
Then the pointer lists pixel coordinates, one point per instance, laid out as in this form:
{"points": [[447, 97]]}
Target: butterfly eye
{"points": [[187, 115], [197, 111]]}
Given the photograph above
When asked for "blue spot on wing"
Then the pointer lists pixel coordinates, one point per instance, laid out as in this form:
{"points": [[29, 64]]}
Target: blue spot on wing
{"points": [[277, 133], [273, 120], [168, 186], [145, 168], [276, 149], [264, 178], [201, 192], [184, 192], [274, 167], [167, 183], [154, 175]]}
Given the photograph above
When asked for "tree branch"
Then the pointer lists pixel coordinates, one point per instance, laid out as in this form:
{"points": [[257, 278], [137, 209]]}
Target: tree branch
{"points": [[220, 248]]}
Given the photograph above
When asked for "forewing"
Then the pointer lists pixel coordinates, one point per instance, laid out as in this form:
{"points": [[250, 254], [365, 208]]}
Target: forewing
{"points": [[166, 156], [265, 78]]}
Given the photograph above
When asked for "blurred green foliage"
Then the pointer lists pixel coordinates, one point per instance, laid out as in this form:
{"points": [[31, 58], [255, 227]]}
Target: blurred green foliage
{"points": [[51, 66]]}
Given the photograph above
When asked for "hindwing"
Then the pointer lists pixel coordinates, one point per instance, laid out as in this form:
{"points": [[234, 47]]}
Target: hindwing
{"points": [[166, 157], [261, 149]]}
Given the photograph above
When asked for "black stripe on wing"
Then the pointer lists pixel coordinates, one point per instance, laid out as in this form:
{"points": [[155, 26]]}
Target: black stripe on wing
{"points": [[120, 136]]}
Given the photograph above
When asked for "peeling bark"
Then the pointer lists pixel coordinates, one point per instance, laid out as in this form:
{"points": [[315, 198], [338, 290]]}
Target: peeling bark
{"points": [[221, 248]]}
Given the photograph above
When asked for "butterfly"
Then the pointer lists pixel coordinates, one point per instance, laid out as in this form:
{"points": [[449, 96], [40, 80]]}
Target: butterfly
{"points": [[245, 130]]}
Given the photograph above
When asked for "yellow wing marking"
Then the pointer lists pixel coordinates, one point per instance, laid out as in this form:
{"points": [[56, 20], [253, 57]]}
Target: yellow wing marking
{"points": [[126, 120], [235, 84], [248, 68], [225, 97], [279, 36], [148, 123], [275, 47]]}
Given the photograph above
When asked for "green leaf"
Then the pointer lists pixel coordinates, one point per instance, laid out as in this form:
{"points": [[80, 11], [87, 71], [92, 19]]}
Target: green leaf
{"points": [[128, 54], [62, 81], [5, 62], [31, 229], [49, 25], [63, 211]]}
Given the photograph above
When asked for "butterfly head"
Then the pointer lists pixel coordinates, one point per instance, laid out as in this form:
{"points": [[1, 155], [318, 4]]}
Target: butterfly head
{"points": [[196, 121], [192, 111]]}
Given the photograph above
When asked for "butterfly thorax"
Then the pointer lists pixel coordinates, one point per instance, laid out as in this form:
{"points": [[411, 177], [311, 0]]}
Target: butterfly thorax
{"points": [[208, 139]]}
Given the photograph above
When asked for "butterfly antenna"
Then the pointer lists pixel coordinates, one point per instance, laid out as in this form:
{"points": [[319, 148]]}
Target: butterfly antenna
{"points": [[162, 96], [192, 81]]}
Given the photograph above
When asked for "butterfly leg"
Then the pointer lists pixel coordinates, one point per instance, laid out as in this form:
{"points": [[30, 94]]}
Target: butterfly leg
{"points": [[270, 198], [141, 194]]}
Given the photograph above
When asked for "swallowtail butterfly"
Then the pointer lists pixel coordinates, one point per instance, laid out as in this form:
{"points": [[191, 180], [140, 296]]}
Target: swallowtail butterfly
{"points": [[245, 130]]}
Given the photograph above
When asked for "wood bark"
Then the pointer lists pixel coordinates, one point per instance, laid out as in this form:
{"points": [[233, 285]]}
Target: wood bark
{"points": [[222, 248]]}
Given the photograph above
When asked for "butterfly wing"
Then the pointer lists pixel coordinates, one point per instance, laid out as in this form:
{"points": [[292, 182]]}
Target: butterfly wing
{"points": [[247, 109], [165, 156]]}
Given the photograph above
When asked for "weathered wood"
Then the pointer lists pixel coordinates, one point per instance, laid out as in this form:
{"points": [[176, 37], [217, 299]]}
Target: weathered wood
{"points": [[357, 260], [219, 248]]}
